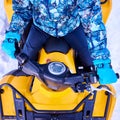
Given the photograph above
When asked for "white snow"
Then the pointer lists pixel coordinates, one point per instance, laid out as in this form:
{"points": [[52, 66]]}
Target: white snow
{"points": [[6, 63], [113, 31]]}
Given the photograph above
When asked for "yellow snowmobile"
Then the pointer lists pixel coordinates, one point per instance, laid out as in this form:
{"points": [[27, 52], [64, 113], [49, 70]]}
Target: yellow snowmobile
{"points": [[8, 8], [54, 88]]}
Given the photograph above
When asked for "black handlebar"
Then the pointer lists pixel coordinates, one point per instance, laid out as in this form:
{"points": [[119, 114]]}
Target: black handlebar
{"points": [[55, 82]]}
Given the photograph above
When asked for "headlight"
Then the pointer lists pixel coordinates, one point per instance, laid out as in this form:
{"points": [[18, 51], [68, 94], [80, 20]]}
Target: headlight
{"points": [[56, 68]]}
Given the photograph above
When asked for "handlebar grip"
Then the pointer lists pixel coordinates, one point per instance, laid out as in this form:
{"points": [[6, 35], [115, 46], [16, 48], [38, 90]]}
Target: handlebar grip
{"points": [[22, 58]]}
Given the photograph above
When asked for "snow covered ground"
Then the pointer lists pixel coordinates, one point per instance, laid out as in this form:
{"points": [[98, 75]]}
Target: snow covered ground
{"points": [[113, 29], [6, 63]]}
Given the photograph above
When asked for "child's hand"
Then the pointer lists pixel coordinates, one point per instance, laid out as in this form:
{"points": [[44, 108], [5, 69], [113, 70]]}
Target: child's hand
{"points": [[105, 72], [8, 45]]}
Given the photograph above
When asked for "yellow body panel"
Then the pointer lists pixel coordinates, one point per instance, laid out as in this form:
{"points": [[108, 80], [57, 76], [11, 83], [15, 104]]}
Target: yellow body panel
{"points": [[43, 98], [106, 9], [67, 59], [100, 103], [21, 83], [8, 8]]}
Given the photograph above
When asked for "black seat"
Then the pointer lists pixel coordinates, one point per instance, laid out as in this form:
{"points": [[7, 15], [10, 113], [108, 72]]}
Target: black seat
{"points": [[56, 45]]}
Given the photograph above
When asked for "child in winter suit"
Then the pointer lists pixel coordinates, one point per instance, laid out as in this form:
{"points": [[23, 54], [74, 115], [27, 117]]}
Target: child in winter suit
{"points": [[79, 22]]}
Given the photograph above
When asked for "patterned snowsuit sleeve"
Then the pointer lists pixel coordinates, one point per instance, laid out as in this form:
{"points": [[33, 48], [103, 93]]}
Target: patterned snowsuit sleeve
{"points": [[21, 16], [91, 19]]}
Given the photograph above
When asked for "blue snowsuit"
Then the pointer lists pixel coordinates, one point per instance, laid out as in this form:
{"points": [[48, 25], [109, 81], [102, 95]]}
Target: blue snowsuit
{"points": [[60, 17]]}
